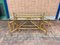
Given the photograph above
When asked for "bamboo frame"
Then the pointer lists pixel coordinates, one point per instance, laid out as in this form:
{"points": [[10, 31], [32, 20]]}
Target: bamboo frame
{"points": [[18, 26], [38, 26]]}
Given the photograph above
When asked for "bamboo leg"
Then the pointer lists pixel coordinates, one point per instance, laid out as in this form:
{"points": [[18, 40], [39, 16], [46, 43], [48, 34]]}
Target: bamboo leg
{"points": [[10, 29], [43, 28], [9, 26]]}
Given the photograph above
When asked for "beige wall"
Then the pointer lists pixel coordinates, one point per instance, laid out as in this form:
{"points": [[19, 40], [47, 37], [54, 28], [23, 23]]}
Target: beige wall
{"points": [[33, 6], [59, 0]]}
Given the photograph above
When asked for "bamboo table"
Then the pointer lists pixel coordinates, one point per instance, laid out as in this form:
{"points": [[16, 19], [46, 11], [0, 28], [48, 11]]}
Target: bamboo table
{"points": [[28, 23]]}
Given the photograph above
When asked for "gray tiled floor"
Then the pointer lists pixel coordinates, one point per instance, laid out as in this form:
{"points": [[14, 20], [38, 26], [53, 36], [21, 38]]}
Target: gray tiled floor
{"points": [[30, 37]]}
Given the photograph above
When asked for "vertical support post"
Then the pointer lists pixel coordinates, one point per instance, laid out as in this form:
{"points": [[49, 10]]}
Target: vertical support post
{"points": [[6, 7], [57, 14]]}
